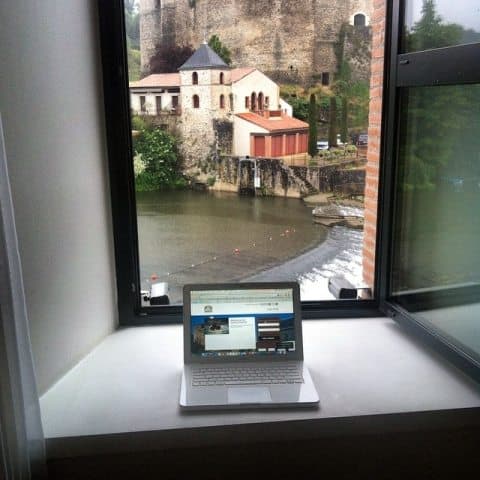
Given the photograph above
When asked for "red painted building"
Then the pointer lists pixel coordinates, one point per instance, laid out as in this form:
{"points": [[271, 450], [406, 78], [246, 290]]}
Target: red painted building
{"points": [[272, 134]]}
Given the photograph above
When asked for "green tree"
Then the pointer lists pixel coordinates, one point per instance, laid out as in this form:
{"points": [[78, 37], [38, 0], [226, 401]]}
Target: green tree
{"points": [[132, 25], [132, 29], [133, 64], [300, 107], [435, 114], [431, 32], [332, 126], [158, 152], [312, 126], [220, 49], [169, 58]]}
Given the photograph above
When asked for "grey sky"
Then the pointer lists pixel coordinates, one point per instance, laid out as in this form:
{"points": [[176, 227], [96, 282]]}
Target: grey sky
{"points": [[463, 12]]}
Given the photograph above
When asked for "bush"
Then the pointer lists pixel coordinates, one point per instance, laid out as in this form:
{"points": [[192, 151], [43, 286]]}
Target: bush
{"points": [[211, 181], [158, 151], [138, 123], [351, 149]]}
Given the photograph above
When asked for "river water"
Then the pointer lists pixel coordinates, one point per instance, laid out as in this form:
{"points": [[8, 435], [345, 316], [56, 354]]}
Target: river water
{"points": [[201, 237]]}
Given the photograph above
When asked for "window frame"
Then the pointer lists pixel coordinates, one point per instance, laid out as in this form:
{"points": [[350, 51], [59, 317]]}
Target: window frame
{"points": [[454, 65], [125, 232]]}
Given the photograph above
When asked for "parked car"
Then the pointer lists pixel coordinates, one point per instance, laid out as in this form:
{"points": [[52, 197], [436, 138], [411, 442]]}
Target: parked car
{"points": [[362, 139], [322, 145]]}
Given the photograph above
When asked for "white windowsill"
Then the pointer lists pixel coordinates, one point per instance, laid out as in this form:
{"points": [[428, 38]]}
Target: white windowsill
{"points": [[124, 395]]}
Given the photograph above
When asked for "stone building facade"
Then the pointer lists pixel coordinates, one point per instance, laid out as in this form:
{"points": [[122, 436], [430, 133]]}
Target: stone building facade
{"points": [[260, 33], [220, 111], [201, 90]]}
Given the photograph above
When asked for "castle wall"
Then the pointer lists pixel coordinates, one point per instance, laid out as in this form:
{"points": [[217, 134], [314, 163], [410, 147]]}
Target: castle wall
{"points": [[258, 33]]}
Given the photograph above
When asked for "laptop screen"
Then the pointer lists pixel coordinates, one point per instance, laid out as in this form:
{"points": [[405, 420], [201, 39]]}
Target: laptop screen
{"points": [[245, 322]]}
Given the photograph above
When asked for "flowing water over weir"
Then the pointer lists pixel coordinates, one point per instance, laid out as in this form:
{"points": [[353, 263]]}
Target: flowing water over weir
{"points": [[201, 237]]}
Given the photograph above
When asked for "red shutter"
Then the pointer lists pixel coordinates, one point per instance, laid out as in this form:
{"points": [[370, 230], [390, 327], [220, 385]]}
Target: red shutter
{"points": [[303, 143], [258, 146], [277, 145], [290, 144]]}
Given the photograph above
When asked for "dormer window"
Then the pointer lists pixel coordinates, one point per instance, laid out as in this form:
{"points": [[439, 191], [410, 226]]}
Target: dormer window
{"points": [[222, 78], [196, 101], [194, 78]]}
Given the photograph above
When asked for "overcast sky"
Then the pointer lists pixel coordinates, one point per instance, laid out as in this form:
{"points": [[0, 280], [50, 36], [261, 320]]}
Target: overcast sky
{"points": [[463, 12]]}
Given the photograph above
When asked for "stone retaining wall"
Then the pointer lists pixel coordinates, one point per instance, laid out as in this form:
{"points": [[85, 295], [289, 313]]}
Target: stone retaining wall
{"points": [[289, 181]]}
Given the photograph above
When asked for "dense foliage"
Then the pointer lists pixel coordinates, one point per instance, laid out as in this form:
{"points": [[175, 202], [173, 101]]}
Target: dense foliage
{"points": [[312, 126], [169, 58], [300, 107], [156, 161], [438, 136], [220, 49], [132, 29]]}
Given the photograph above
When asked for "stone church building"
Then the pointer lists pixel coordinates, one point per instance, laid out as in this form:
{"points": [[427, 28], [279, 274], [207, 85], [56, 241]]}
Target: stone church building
{"points": [[221, 110], [289, 40]]}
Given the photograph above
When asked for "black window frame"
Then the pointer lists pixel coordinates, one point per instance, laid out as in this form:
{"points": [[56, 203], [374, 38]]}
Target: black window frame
{"points": [[453, 65], [122, 191], [117, 115]]}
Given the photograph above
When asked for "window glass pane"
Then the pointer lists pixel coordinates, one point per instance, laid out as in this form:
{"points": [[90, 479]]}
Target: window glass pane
{"points": [[440, 23], [437, 225], [271, 185]]}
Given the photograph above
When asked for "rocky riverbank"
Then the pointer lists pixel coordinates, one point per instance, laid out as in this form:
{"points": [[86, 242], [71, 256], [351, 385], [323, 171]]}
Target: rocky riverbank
{"points": [[333, 211]]}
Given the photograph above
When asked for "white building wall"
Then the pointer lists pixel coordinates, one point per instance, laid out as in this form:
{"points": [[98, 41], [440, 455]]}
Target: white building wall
{"points": [[255, 82], [241, 136], [151, 101], [286, 108]]}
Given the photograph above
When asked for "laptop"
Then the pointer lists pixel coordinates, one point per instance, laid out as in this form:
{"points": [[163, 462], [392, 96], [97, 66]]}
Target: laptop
{"points": [[243, 347]]}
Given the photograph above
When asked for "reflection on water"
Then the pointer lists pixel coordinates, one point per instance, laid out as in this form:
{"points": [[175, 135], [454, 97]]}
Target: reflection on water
{"points": [[198, 237]]}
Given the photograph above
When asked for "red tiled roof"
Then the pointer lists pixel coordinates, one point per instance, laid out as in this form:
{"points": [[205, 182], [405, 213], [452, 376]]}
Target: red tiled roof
{"points": [[273, 124], [239, 73], [158, 80]]}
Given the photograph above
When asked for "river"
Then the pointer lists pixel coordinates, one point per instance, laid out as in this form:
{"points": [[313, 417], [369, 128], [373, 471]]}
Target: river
{"points": [[201, 237]]}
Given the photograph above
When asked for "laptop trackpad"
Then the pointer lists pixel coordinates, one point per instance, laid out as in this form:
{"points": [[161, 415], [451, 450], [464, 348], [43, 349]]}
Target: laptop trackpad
{"points": [[239, 395]]}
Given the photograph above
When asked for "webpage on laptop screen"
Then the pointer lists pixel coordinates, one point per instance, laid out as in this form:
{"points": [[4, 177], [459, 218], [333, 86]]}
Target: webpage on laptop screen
{"points": [[242, 322]]}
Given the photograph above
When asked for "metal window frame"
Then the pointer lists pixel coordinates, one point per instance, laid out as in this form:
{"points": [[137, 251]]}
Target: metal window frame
{"points": [[455, 65], [119, 144]]}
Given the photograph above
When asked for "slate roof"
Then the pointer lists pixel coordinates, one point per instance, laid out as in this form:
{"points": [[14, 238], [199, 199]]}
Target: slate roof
{"points": [[275, 123], [158, 80], [203, 58]]}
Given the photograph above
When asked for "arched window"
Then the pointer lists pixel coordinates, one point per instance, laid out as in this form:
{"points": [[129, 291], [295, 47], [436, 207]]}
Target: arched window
{"points": [[222, 101], [359, 20], [195, 78], [260, 101], [253, 101], [222, 78], [231, 101], [196, 101]]}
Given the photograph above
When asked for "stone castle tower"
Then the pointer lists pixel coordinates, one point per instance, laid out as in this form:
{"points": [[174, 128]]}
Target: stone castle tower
{"points": [[205, 95], [289, 40]]}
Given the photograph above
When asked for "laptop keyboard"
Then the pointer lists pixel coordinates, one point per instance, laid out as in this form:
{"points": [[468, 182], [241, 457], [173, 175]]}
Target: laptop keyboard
{"points": [[218, 376]]}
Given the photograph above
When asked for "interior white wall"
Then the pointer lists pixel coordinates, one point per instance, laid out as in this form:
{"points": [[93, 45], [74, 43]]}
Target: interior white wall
{"points": [[52, 109]]}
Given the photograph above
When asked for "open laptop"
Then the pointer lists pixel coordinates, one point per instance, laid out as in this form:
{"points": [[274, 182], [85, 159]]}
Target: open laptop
{"points": [[243, 347]]}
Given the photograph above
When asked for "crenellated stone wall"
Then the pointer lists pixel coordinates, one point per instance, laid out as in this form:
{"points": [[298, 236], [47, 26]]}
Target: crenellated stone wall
{"points": [[259, 33]]}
